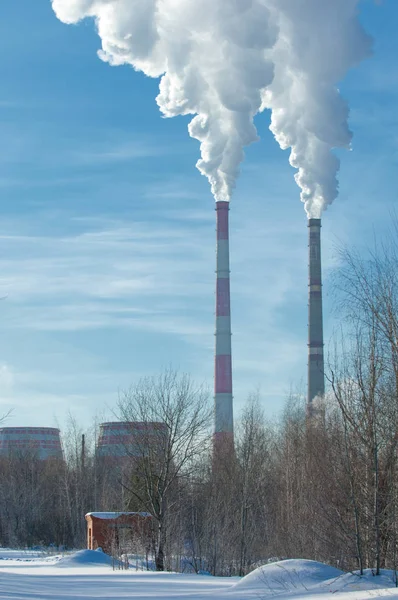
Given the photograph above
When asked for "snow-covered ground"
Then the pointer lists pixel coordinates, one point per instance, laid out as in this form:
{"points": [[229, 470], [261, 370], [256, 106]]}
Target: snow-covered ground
{"points": [[86, 575]]}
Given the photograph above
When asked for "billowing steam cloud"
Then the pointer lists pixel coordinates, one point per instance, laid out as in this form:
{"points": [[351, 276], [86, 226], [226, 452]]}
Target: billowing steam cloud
{"points": [[318, 42], [226, 60], [212, 56]]}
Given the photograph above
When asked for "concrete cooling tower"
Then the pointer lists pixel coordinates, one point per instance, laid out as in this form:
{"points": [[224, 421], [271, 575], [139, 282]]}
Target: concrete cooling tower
{"points": [[42, 442], [121, 441]]}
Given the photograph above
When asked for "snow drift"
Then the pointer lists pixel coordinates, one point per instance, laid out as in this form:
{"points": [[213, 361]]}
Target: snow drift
{"points": [[35, 578], [85, 558], [349, 582], [287, 576]]}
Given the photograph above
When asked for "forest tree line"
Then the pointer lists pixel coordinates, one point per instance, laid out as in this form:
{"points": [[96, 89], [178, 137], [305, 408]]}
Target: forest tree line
{"points": [[324, 488]]}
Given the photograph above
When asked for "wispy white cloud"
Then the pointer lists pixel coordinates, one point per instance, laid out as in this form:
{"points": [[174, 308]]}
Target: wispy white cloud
{"points": [[134, 277], [144, 269], [157, 278], [124, 151], [50, 146], [149, 279]]}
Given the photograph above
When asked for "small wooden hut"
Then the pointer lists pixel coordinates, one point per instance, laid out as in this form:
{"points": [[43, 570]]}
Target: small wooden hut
{"points": [[120, 532]]}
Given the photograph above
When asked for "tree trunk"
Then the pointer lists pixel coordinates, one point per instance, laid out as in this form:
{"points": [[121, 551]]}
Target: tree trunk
{"points": [[376, 507], [159, 553]]}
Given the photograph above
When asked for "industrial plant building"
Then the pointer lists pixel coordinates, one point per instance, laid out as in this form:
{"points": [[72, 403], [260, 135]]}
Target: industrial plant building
{"points": [[122, 441], [44, 443]]}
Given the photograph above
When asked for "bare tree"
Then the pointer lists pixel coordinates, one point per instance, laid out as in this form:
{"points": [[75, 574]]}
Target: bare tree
{"points": [[254, 479], [78, 478], [170, 418], [366, 388]]}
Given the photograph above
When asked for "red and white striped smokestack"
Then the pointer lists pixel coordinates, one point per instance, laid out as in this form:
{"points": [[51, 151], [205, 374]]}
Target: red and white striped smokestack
{"points": [[223, 431]]}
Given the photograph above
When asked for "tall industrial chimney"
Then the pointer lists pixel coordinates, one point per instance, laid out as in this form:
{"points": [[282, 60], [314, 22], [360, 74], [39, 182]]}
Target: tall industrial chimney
{"points": [[223, 431], [316, 377]]}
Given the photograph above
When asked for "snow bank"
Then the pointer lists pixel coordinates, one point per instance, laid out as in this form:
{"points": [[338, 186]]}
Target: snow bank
{"points": [[85, 558], [17, 554], [288, 576], [368, 581], [88, 576]]}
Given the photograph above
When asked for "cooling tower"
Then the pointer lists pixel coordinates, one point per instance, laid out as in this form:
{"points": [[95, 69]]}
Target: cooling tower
{"points": [[223, 430], [316, 377], [122, 441], [42, 442]]}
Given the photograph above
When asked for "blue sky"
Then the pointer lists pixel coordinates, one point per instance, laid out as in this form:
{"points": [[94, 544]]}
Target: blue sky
{"points": [[107, 249]]}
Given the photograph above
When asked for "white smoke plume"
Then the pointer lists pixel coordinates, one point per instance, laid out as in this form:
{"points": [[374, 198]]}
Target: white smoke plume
{"points": [[212, 56], [318, 42], [226, 60]]}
